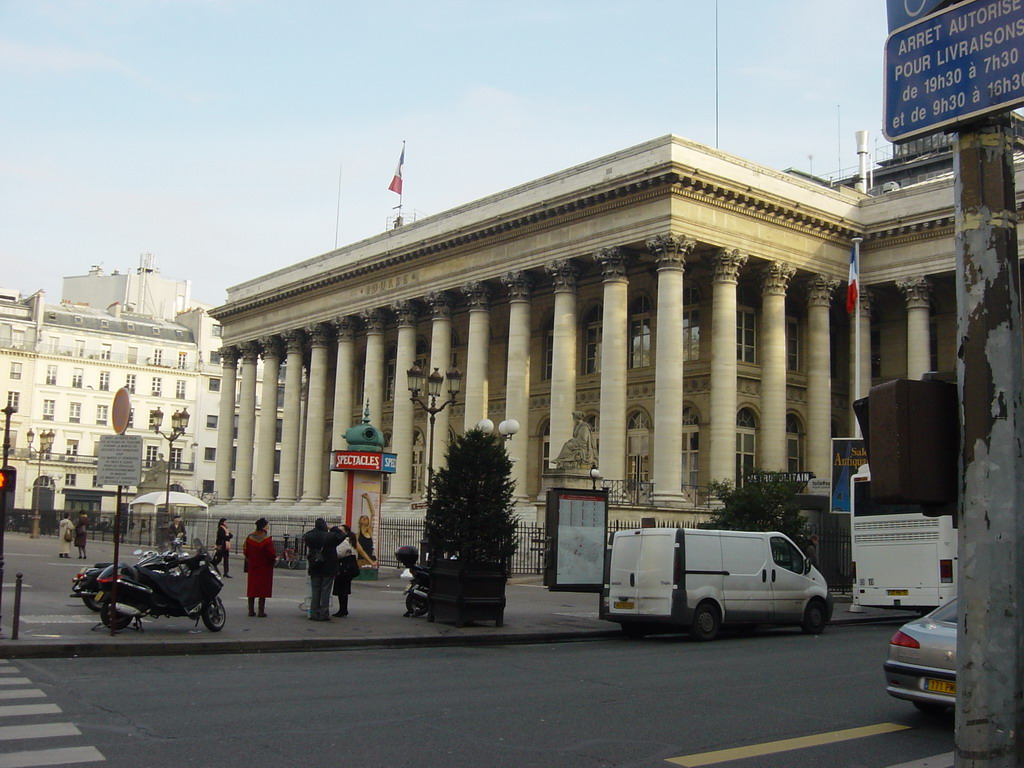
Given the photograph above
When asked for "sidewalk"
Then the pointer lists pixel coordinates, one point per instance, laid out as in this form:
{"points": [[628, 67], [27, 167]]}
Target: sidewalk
{"points": [[53, 624]]}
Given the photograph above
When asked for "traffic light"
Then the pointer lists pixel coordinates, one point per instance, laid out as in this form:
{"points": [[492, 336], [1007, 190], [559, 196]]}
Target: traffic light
{"points": [[8, 479]]}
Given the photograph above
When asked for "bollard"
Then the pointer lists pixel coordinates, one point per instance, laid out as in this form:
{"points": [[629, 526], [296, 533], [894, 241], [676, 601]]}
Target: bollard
{"points": [[17, 606]]}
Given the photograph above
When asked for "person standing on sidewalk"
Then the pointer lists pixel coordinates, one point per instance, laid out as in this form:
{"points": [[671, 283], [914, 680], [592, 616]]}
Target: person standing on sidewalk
{"points": [[66, 534], [223, 546], [81, 534], [322, 556], [260, 556], [348, 569]]}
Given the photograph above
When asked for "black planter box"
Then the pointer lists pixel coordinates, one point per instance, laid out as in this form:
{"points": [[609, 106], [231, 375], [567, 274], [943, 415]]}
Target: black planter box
{"points": [[462, 592]]}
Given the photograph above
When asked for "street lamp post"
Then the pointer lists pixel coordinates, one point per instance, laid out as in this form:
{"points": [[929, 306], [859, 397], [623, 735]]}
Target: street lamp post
{"points": [[179, 423], [45, 444], [429, 404]]}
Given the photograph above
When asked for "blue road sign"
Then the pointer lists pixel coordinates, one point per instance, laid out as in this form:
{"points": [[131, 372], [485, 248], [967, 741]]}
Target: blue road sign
{"points": [[903, 12], [956, 66]]}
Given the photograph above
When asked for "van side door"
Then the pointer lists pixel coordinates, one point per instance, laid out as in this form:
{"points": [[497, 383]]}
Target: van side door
{"points": [[746, 593], [788, 582]]}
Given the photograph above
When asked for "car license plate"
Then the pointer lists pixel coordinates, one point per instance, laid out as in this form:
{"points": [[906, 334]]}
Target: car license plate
{"points": [[624, 605], [940, 686], [897, 592]]}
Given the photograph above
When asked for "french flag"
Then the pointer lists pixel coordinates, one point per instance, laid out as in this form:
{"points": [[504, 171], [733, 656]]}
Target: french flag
{"points": [[853, 283], [396, 182]]}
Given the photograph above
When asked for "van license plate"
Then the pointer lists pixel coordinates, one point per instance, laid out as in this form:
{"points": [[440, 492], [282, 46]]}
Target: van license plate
{"points": [[940, 686], [897, 592], [624, 605]]}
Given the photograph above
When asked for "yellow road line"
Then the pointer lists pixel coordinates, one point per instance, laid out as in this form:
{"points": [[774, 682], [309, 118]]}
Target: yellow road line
{"points": [[785, 745]]}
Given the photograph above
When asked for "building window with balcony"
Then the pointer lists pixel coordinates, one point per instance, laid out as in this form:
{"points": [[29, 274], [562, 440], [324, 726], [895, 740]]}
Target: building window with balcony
{"points": [[13, 398], [102, 414], [51, 375], [179, 390], [106, 351], [158, 356], [638, 441], [129, 382], [133, 352], [158, 385], [182, 361], [640, 332], [15, 370], [104, 381], [152, 454], [691, 446], [794, 444], [71, 448], [75, 413], [77, 377], [746, 443], [49, 409], [176, 456]]}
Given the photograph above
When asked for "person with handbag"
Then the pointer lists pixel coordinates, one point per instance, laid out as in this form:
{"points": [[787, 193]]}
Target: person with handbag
{"points": [[223, 546], [322, 557], [65, 535], [348, 569]]}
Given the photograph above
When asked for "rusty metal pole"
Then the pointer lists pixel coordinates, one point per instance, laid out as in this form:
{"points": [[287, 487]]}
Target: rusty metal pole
{"points": [[17, 606], [991, 386]]}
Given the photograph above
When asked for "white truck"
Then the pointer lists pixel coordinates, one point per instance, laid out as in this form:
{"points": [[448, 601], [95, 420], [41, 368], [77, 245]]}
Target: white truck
{"points": [[686, 579]]}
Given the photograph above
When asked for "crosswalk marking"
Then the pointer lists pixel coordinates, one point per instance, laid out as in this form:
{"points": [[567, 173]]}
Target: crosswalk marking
{"points": [[61, 756], [23, 693], [41, 731], [15, 681], [22, 710]]}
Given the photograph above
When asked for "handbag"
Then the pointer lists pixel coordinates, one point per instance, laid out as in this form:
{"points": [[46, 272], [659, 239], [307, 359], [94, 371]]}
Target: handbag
{"points": [[349, 567], [68, 536]]}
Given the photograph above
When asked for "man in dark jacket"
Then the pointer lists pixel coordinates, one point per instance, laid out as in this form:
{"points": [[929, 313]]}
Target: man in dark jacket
{"points": [[322, 556]]}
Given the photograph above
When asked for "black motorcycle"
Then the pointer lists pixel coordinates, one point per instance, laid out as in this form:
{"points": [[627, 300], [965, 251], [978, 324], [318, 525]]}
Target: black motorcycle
{"points": [[416, 603], [188, 587], [85, 584]]}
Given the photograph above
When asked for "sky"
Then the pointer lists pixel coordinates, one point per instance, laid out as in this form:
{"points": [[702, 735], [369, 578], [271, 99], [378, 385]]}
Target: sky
{"points": [[231, 138]]}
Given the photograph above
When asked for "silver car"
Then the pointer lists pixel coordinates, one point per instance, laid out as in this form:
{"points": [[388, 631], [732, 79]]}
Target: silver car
{"points": [[922, 661]]}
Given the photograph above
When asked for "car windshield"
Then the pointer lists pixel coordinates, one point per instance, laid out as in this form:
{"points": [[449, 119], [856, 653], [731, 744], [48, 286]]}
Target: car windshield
{"points": [[945, 613]]}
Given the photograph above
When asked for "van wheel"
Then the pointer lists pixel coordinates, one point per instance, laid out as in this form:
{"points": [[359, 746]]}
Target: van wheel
{"points": [[706, 622], [814, 618], [634, 631]]}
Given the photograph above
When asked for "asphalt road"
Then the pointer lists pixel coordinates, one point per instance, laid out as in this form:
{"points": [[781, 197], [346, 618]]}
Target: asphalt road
{"points": [[577, 705]]}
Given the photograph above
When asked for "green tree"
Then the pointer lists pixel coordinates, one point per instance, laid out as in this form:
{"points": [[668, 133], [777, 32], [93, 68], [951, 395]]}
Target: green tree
{"points": [[765, 502], [471, 515]]}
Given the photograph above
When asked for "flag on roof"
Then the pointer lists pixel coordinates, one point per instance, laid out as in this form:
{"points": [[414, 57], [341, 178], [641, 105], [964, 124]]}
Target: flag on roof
{"points": [[853, 283], [396, 182]]}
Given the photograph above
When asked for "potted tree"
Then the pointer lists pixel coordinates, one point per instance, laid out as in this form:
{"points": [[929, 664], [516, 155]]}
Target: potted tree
{"points": [[471, 528]]}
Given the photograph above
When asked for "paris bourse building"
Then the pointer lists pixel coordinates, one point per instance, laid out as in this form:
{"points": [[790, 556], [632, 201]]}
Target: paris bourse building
{"points": [[689, 302]]}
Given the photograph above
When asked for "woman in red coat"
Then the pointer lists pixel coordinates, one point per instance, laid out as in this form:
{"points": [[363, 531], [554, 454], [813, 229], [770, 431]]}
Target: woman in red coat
{"points": [[260, 556]]}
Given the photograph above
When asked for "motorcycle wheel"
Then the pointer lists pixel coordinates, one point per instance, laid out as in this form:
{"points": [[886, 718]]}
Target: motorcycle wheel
{"points": [[90, 602], [122, 620], [416, 605], [214, 615]]}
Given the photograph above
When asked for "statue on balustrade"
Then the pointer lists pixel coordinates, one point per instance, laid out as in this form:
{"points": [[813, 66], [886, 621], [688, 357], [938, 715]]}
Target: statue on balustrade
{"points": [[579, 451]]}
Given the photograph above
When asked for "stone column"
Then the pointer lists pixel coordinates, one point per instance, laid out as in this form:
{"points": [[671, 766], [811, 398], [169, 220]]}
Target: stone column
{"points": [[401, 428], [266, 446], [246, 422], [775, 277], [670, 253], [727, 265], [917, 291], [440, 303], [819, 375], [373, 369], [226, 420], [314, 460], [475, 389], [563, 366], [864, 358], [344, 331], [517, 376], [614, 346], [288, 489]]}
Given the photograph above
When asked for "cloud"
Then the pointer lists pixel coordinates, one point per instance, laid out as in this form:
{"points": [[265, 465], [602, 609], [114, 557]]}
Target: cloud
{"points": [[20, 57]]}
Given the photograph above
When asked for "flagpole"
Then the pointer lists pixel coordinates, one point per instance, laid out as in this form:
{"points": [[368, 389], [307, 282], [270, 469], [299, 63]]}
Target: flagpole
{"points": [[856, 333]]}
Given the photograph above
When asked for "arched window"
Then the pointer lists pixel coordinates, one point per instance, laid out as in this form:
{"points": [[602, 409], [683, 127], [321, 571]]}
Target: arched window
{"points": [[746, 443], [691, 446], [794, 444], [638, 441], [419, 465], [691, 323], [640, 332], [545, 446], [455, 354], [592, 343]]}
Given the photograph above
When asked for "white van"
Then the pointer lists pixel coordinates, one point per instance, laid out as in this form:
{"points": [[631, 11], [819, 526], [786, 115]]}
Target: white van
{"points": [[673, 579]]}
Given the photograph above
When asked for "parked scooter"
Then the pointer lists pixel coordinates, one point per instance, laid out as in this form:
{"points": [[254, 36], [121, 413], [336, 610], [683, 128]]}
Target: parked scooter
{"points": [[168, 585], [416, 603], [85, 584]]}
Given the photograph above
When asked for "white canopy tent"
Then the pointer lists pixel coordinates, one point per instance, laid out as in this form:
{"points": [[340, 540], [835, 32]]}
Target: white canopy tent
{"points": [[144, 510]]}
